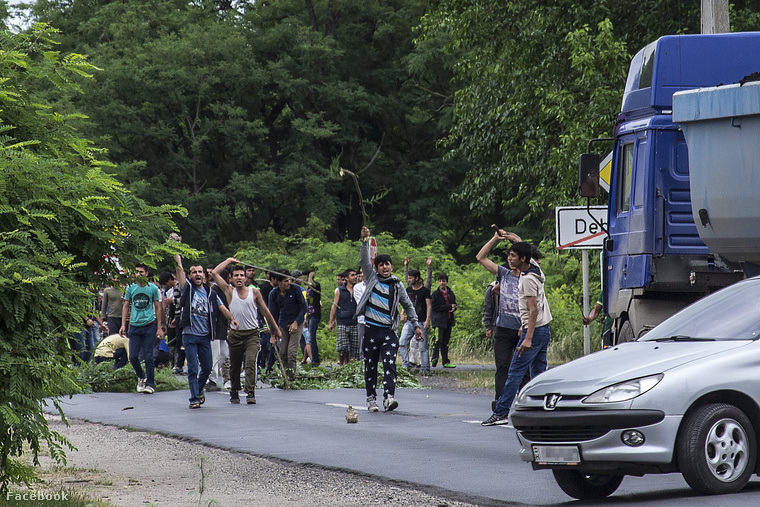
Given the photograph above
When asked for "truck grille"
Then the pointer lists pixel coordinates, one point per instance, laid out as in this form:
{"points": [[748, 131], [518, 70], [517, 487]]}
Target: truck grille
{"points": [[563, 434]]}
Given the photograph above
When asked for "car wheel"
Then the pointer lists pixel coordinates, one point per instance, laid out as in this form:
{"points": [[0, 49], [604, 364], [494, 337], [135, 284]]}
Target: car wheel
{"points": [[626, 332], [585, 486], [716, 449]]}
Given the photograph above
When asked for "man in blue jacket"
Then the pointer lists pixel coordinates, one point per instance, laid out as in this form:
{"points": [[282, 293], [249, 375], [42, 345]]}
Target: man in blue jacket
{"points": [[379, 305], [288, 307]]}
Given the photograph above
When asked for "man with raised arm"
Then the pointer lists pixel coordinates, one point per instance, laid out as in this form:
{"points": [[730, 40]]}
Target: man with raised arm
{"points": [[506, 333], [535, 336], [379, 305], [245, 304], [198, 307]]}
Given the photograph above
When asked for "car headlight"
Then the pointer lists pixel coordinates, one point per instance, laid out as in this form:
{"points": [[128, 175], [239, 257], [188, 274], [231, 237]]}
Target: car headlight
{"points": [[624, 391], [522, 396]]}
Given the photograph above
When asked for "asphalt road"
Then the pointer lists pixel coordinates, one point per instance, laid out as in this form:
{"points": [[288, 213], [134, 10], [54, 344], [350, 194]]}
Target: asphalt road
{"points": [[433, 442]]}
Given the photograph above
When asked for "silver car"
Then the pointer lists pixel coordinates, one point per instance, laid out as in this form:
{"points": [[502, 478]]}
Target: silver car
{"points": [[683, 398]]}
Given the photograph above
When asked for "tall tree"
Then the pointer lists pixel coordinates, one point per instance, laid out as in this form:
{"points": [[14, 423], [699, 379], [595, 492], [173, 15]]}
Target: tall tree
{"points": [[245, 114], [535, 81]]}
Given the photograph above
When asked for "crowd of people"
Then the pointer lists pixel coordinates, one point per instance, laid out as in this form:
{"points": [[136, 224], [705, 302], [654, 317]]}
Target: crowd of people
{"points": [[217, 324]]}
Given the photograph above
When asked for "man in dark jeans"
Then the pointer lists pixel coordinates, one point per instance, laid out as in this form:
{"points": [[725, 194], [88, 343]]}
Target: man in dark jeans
{"points": [[506, 332], [535, 336], [198, 308], [314, 313], [288, 307]]}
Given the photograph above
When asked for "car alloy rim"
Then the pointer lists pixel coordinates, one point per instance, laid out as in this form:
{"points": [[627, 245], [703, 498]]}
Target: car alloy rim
{"points": [[726, 450]]}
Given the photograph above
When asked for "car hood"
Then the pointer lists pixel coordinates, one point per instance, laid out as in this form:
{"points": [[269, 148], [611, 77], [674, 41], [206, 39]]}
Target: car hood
{"points": [[624, 362]]}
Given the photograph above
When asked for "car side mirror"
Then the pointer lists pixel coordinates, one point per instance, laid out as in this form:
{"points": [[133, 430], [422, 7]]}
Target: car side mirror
{"points": [[588, 175]]}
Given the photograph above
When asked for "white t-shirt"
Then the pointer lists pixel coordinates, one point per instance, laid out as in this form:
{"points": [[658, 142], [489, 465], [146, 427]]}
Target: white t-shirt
{"points": [[358, 291]]}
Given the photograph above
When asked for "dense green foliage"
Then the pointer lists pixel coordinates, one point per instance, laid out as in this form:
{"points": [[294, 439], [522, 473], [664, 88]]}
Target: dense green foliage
{"points": [[102, 377], [246, 115], [60, 213], [536, 80]]}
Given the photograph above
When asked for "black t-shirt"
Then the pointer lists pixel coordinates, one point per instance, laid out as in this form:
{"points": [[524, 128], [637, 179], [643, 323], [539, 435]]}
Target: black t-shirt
{"points": [[418, 298]]}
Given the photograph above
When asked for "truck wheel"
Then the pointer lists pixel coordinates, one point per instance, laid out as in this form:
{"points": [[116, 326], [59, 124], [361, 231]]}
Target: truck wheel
{"points": [[585, 486], [716, 449], [626, 332]]}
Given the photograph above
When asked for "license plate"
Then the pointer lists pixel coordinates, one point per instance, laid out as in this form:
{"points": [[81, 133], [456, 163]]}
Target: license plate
{"points": [[556, 454]]}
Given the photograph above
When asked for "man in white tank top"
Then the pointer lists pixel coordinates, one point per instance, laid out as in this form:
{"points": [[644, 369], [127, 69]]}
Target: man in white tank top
{"points": [[245, 305]]}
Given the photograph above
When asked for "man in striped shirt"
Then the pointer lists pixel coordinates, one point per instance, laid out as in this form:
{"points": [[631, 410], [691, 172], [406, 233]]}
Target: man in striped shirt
{"points": [[379, 306]]}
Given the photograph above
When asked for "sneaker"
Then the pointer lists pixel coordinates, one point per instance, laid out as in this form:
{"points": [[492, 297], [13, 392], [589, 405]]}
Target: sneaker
{"points": [[211, 387], [449, 365], [141, 385], [234, 398], [177, 371], [250, 399], [148, 390], [495, 420], [372, 404], [390, 404], [228, 385], [202, 398]]}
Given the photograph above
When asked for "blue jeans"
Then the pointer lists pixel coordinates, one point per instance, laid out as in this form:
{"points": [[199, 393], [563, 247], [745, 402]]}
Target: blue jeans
{"points": [[197, 351], [313, 325], [407, 335], [533, 358], [143, 338]]}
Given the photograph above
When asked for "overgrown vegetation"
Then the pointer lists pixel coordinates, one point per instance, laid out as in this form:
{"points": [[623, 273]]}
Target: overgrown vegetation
{"points": [[103, 378], [63, 220], [348, 376]]}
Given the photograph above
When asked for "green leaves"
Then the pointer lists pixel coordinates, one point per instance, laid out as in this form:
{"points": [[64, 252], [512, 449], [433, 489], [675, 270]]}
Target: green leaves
{"points": [[62, 218]]}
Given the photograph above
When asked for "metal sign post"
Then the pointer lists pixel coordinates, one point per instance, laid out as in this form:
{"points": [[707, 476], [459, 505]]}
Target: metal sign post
{"points": [[576, 230]]}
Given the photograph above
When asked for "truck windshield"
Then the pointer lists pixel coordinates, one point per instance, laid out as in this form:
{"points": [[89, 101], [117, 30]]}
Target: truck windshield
{"points": [[729, 314]]}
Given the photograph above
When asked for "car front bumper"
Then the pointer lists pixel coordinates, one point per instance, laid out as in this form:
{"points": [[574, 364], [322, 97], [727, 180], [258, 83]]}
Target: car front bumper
{"points": [[598, 435]]}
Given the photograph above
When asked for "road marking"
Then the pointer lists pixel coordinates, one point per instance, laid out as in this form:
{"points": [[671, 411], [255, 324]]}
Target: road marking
{"points": [[341, 405]]}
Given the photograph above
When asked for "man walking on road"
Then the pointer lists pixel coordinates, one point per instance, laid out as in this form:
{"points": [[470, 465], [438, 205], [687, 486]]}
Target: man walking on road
{"points": [[534, 341], [142, 310], [419, 294], [343, 313], [245, 305], [379, 305], [198, 307], [288, 307], [506, 332]]}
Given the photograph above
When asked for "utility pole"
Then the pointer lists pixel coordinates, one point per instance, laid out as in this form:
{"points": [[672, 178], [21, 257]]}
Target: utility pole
{"points": [[715, 16]]}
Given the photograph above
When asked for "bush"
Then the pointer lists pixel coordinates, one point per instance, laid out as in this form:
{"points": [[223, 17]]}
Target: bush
{"points": [[102, 377]]}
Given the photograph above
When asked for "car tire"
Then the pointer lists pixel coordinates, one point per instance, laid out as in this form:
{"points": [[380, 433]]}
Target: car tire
{"points": [[711, 428], [584, 486], [626, 332]]}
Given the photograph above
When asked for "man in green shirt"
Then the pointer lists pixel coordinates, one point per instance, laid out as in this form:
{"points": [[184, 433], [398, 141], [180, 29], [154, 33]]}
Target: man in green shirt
{"points": [[142, 304]]}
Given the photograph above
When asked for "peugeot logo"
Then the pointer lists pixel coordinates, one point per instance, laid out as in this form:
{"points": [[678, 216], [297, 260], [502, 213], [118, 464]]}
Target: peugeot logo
{"points": [[551, 400]]}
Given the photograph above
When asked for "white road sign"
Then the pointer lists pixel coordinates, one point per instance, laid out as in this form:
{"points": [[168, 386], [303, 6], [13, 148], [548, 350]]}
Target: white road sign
{"points": [[577, 230]]}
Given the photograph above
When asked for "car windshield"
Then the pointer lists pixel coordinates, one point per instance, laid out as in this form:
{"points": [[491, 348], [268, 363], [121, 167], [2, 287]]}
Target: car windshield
{"points": [[729, 314]]}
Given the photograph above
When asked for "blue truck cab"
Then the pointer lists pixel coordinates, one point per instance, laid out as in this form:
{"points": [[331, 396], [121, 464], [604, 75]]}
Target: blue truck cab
{"points": [[655, 262]]}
